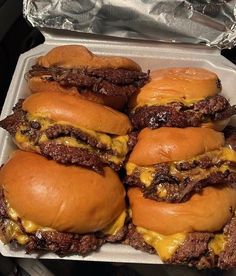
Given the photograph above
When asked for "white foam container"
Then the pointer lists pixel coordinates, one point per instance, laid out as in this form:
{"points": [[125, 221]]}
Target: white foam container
{"points": [[150, 55]]}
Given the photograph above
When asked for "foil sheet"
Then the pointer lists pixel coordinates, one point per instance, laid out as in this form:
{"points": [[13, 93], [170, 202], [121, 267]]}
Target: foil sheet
{"points": [[210, 22]]}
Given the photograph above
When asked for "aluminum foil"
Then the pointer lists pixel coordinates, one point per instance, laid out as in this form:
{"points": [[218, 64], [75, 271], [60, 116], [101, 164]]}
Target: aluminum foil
{"points": [[210, 22]]}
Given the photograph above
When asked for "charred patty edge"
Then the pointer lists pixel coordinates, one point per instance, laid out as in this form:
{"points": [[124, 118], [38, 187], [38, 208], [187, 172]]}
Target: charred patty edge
{"points": [[195, 249], [95, 158], [107, 82], [176, 114], [178, 190]]}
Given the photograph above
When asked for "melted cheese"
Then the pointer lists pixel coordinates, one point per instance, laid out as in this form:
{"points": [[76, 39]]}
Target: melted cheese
{"points": [[29, 226], [130, 167], [168, 100], [13, 232], [20, 138], [113, 228], [44, 122], [165, 246], [116, 143], [228, 154], [114, 159], [147, 174], [71, 142], [217, 244]]}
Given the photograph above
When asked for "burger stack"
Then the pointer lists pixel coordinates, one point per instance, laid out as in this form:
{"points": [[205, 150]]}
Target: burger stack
{"points": [[63, 192], [181, 173]]}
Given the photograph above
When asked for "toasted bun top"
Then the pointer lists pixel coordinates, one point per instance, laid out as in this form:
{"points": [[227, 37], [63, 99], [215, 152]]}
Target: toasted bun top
{"points": [[64, 198], [77, 111], [177, 84], [77, 56], [174, 144], [205, 212]]}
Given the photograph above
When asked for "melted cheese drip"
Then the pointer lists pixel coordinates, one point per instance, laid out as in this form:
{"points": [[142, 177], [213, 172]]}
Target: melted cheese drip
{"points": [[13, 231], [28, 225], [217, 244], [147, 173], [228, 154], [113, 228], [116, 143], [165, 246]]}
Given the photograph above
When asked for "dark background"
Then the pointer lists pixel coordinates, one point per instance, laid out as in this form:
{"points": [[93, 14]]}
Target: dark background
{"points": [[17, 37]]}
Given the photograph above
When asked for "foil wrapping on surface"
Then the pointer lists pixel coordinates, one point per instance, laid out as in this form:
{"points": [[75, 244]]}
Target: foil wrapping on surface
{"points": [[209, 22]]}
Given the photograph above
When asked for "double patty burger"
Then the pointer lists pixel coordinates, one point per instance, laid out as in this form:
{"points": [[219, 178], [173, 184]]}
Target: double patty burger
{"points": [[170, 164], [181, 97], [64, 209], [70, 130], [108, 80], [199, 232]]}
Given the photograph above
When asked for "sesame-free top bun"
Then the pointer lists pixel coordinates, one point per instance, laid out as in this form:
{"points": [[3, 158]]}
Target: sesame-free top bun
{"points": [[174, 144], [77, 56], [64, 198], [208, 211], [176, 84], [76, 111]]}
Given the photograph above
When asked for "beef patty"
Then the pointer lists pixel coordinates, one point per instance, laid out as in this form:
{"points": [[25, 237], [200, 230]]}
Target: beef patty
{"points": [[176, 114], [91, 151], [188, 178], [195, 250], [108, 82]]}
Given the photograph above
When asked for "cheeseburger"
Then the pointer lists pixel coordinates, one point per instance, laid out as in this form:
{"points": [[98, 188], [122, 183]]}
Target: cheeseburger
{"points": [[199, 232], [64, 209], [108, 80], [170, 164], [181, 97], [70, 130]]}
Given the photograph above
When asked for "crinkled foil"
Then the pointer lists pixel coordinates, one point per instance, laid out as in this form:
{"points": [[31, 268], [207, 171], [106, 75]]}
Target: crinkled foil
{"points": [[210, 22]]}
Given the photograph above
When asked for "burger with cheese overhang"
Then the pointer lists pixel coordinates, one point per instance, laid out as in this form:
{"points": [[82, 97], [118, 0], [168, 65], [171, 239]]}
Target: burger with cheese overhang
{"points": [[71, 130], [48, 206], [181, 97]]}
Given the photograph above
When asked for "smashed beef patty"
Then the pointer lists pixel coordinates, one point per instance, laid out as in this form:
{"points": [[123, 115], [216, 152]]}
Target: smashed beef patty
{"points": [[176, 114], [109, 82], [176, 183], [67, 144], [195, 250]]}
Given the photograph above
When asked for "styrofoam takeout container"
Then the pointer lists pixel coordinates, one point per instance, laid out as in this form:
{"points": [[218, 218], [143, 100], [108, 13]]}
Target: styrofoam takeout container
{"points": [[150, 55]]}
